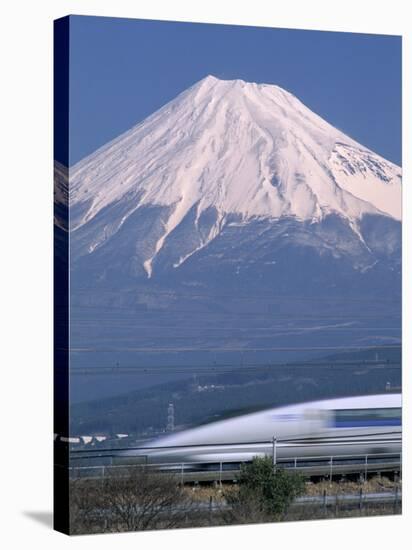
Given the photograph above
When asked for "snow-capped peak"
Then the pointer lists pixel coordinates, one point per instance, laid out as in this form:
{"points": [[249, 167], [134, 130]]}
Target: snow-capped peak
{"points": [[241, 148]]}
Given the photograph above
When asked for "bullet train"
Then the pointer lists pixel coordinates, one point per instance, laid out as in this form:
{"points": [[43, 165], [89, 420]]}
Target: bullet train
{"points": [[360, 425]]}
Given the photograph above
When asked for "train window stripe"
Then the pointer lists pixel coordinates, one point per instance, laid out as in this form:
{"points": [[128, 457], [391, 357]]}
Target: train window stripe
{"points": [[347, 418], [367, 423]]}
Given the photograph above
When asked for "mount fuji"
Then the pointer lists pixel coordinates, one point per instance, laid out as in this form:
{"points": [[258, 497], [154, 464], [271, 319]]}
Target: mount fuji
{"points": [[236, 199], [224, 154]]}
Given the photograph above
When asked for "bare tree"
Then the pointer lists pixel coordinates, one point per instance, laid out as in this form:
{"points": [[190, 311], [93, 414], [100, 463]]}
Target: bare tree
{"points": [[134, 499]]}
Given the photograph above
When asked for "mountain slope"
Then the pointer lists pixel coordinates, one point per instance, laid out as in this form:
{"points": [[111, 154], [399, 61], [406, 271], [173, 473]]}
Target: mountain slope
{"points": [[233, 224], [224, 152]]}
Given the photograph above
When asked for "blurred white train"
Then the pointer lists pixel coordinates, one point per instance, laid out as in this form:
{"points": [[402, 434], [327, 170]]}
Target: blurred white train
{"points": [[360, 425]]}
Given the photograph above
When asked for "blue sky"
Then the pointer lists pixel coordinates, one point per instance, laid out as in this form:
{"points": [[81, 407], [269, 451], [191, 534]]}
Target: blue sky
{"points": [[122, 70]]}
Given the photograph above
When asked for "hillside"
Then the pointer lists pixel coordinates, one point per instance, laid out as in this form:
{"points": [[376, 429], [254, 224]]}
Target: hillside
{"points": [[206, 397]]}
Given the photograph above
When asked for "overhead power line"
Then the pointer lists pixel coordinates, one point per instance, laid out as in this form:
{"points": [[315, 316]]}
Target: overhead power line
{"points": [[225, 349], [230, 368]]}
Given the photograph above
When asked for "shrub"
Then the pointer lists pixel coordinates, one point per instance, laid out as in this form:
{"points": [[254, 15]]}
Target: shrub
{"points": [[265, 493]]}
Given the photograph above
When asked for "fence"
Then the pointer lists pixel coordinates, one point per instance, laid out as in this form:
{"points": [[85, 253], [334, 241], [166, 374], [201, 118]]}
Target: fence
{"points": [[310, 466]]}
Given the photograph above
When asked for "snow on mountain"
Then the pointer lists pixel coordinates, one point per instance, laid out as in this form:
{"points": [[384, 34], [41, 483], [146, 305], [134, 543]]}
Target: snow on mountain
{"points": [[224, 153]]}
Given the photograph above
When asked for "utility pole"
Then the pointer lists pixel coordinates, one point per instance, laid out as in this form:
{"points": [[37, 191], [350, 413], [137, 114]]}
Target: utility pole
{"points": [[274, 441], [170, 418]]}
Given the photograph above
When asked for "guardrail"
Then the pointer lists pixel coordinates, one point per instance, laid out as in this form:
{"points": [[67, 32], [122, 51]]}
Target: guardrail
{"points": [[189, 471]]}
